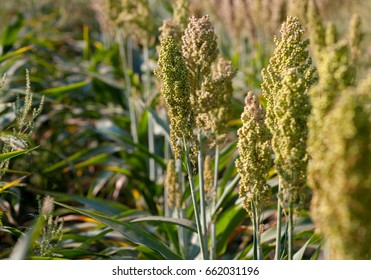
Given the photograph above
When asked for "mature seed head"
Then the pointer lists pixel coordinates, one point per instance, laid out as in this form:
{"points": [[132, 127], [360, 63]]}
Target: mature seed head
{"points": [[291, 52], [215, 101], [175, 90], [199, 49], [255, 155], [285, 85], [290, 137], [336, 73], [172, 186], [341, 197], [339, 147]]}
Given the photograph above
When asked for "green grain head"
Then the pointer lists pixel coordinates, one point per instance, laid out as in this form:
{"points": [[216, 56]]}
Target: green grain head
{"points": [[175, 89], [255, 158]]}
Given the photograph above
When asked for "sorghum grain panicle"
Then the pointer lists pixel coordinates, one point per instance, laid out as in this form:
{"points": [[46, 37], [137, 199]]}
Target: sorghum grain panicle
{"points": [[290, 137], [255, 158], [199, 50], [285, 86], [290, 52], [341, 199], [215, 98], [176, 92]]}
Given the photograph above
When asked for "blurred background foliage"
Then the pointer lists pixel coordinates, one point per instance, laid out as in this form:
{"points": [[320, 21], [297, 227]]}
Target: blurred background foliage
{"points": [[87, 157]]}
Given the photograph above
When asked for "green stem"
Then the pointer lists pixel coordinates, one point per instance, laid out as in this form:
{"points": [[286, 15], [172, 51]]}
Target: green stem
{"points": [[125, 69], [203, 245], [213, 255], [258, 237], [255, 239], [201, 185], [181, 212], [150, 132], [290, 232], [279, 222]]}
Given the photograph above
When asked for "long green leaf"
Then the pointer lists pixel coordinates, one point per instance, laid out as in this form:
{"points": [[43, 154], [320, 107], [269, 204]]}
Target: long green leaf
{"points": [[181, 222], [13, 154], [15, 53], [300, 253], [97, 204], [63, 89], [22, 248], [130, 232]]}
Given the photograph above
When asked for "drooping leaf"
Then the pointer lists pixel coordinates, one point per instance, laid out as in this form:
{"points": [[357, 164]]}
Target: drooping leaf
{"points": [[134, 234], [13, 154]]}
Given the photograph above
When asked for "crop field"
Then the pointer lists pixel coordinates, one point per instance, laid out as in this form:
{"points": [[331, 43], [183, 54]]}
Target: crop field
{"points": [[185, 129]]}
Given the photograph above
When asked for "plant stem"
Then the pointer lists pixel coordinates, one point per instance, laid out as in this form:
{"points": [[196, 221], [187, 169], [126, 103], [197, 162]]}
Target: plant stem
{"points": [[258, 237], [201, 185], [203, 244], [290, 232], [213, 255], [181, 213], [125, 69], [150, 132], [279, 221], [254, 236]]}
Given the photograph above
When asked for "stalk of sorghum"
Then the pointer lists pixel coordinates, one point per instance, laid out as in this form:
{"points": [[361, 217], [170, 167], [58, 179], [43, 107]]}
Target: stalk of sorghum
{"points": [[214, 103], [286, 81], [336, 73], [341, 200], [199, 50], [255, 160], [176, 92], [339, 147]]}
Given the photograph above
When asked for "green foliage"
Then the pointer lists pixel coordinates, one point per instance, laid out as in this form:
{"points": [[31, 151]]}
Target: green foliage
{"points": [[100, 140]]}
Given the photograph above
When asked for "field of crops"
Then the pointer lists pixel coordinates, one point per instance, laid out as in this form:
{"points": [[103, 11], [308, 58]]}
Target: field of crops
{"points": [[185, 129]]}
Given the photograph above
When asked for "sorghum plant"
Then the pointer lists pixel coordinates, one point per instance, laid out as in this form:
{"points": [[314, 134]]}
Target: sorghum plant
{"points": [[342, 194], [339, 148], [210, 97], [254, 163], [286, 81]]}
